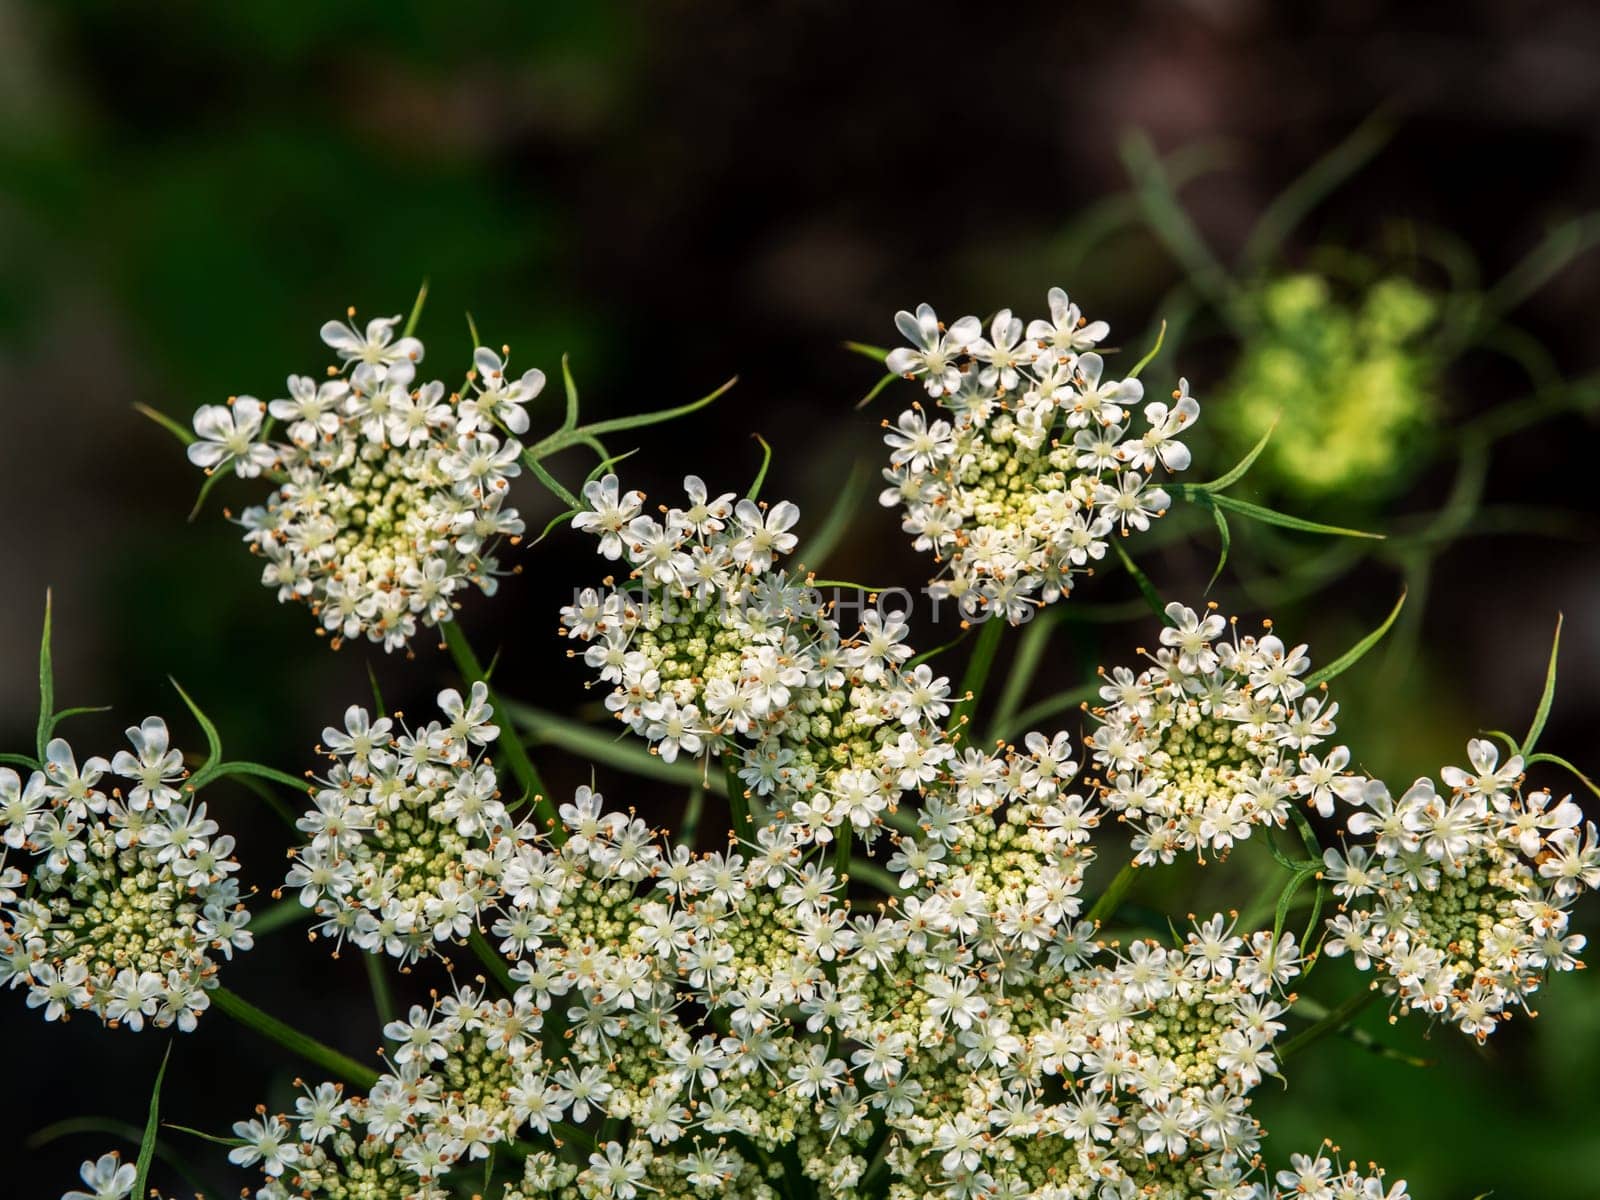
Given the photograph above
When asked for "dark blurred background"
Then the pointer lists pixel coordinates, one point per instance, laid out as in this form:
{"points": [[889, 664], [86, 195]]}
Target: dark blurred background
{"points": [[675, 193]]}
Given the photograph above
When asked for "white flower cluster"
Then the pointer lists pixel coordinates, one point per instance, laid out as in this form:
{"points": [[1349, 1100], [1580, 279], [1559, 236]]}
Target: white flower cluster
{"points": [[1461, 900], [1009, 1061], [1216, 736], [712, 647], [401, 831], [1037, 464], [391, 496], [708, 1025], [131, 895]]}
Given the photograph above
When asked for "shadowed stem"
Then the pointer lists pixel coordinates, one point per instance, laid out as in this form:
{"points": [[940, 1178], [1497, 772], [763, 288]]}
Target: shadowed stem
{"points": [[339, 1064], [516, 757], [1336, 1020], [1111, 899], [977, 673]]}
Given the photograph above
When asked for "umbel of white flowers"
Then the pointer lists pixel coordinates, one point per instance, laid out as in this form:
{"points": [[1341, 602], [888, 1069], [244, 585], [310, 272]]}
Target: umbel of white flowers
{"points": [[714, 1022], [1218, 735], [1461, 901], [712, 647], [390, 496], [405, 848], [135, 893], [1036, 463]]}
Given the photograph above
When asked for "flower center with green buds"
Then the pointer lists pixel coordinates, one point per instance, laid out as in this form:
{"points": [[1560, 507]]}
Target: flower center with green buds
{"points": [[417, 852], [1456, 918], [128, 917]]}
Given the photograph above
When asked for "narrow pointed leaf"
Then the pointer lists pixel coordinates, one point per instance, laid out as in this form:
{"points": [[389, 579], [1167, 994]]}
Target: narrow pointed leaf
{"points": [[279, 915], [186, 436], [213, 738], [1226, 540], [876, 353], [47, 679], [1146, 589], [1354, 655], [1296, 201], [761, 475], [147, 1144], [1232, 476], [1547, 698], [876, 390], [1270, 517], [291, 1039], [1138, 367], [816, 548], [1557, 760], [570, 385], [416, 316], [554, 485]]}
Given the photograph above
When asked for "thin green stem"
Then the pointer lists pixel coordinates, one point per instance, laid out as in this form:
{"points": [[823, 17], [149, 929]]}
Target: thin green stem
{"points": [[738, 801], [1336, 1020], [491, 958], [290, 1038], [516, 757], [1111, 899], [841, 850], [382, 993], [977, 672]]}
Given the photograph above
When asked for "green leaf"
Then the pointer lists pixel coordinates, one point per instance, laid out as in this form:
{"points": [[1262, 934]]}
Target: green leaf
{"points": [[876, 390], [864, 870], [1024, 665], [1547, 698], [377, 692], [553, 484], [570, 385], [1557, 760], [976, 676], [929, 655], [816, 548], [1226, 542], [622, 751], [689, 824], [1138, 367], [1286, 897], [1030, 717], [563, 438], [1228, 478], [81, 710], [213, 738], [186, 436], [279, 915], [208, 1137], [1146, 589], [515, 756], [215, 477], [1354, 655], [1171, 224], [761, 475], [147, 1144], [411, 323], [1298, 199], [335, 1062], [876, 353], [47, 680], [1269, 517]]}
